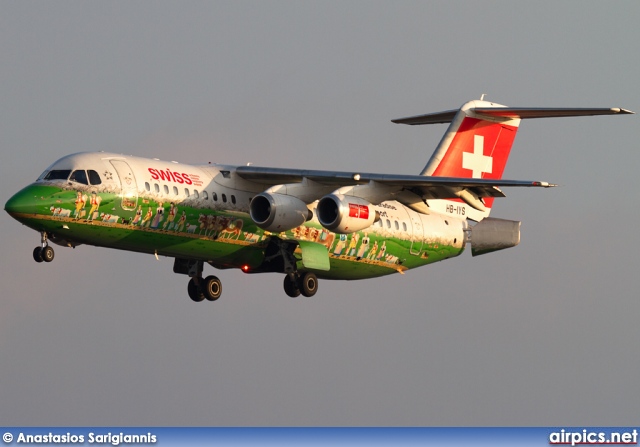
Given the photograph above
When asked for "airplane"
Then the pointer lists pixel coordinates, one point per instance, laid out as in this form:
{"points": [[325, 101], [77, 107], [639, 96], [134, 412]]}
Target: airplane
{"points": [[305, 224]]}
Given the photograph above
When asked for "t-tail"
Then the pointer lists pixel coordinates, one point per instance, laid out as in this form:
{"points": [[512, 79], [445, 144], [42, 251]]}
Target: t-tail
{"points": [[478, 142]]}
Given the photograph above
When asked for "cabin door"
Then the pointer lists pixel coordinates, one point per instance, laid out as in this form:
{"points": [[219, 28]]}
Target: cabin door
{"points": [[129, 187], [417, 233]]}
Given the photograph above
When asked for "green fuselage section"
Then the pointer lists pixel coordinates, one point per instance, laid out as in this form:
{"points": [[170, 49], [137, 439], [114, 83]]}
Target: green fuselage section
{"points": [[226, 239]]}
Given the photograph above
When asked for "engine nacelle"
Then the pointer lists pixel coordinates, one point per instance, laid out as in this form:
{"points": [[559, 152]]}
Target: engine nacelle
{"points": [[278, 212], [345, 214], [493, 234]]}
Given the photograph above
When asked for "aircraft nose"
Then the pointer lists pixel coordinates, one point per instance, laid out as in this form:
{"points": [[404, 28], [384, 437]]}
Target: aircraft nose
{"points": [[13, 204], [22, 202]]}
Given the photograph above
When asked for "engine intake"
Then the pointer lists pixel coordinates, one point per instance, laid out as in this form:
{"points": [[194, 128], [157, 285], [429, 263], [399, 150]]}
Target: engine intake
{"points": [[345, 214], [278, 212]]}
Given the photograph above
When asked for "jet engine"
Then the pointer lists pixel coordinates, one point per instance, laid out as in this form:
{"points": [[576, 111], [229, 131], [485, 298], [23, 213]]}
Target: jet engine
{"points": [[493, 234], [345, 214], [278, 212]]}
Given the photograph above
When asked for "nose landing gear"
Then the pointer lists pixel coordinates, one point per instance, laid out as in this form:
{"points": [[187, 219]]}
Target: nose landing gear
{"points": [[43, 253]]}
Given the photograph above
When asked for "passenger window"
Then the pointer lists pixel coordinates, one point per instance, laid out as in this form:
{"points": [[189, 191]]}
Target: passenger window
{"points": [[224, 198], [396, 223], [166, 189], [147, 186], [156, 187], [175, 190], [58, 174], [215, 196], [195, 193], [388, 223], [94, 177], [186, 192], [404, 226], [80, 177], [205, 195], [233, 199]]}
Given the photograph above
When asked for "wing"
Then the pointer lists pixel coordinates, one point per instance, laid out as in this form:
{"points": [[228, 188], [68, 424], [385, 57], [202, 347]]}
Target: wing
{"points": [[311, 185]]}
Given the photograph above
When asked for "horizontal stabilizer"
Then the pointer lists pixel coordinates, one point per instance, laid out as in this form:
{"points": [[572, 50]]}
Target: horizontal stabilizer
{"points": [[527, 113], [510, 112], [429, 118]]}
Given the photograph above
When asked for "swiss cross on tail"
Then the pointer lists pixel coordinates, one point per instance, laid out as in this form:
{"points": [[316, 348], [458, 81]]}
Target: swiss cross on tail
{"points": [[476, 161], [479, 149]]}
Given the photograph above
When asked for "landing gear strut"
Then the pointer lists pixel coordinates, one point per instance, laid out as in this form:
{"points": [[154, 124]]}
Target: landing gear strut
{"points": [[44, 252]]}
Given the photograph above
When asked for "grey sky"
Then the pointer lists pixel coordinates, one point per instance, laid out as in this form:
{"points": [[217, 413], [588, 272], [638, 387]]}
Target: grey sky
{"points": [[542, 334]]}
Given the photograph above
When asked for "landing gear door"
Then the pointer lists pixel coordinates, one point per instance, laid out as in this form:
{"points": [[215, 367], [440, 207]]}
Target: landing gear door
{"points": [[314, 255], [128, 183]]}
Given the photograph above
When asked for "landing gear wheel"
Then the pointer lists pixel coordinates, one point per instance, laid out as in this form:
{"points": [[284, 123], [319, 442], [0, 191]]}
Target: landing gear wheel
{"points": [[47, 254], [37, 254], [291, 287], [195, 293], [308, 284], [211, 288]]}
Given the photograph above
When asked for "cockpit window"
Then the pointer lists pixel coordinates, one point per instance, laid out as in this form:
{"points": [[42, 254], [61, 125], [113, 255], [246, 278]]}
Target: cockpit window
{"points": [[80, 177], [94, 177], [58, 174]]}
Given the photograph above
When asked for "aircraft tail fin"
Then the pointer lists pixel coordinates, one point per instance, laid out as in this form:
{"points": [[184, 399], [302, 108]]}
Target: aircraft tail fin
{"points": [[479, 139]]}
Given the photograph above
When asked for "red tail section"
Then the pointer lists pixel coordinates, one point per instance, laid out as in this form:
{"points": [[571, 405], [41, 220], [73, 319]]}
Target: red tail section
{"points": [[474, 146], [479, 149]]}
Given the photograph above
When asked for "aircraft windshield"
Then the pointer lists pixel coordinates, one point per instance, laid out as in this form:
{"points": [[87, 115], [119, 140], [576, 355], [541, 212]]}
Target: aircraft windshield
{"points": [[58, 174], [94, 177], [80, 177], [89, 177]]}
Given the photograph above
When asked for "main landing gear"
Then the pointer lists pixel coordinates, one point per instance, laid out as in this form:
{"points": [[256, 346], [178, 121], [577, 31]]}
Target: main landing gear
{"points": [[296, 284], [44, 252], [279, 258], [199, 288], [209, 288]]}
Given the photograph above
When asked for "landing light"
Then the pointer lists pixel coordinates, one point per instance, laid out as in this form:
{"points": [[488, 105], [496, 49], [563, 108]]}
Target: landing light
{"points": [[245, 268]]}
